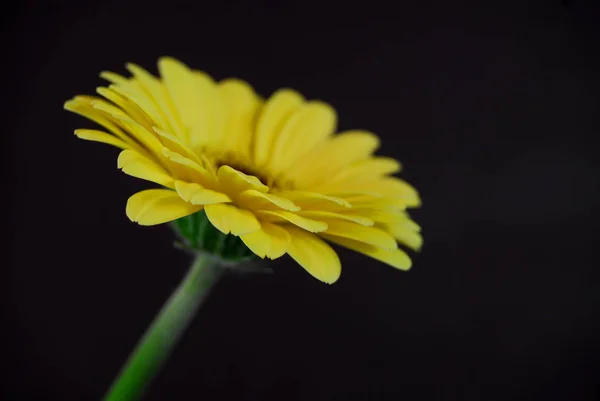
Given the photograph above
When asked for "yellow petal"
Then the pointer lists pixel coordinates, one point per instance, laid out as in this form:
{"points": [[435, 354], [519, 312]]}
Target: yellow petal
{"points": [[190, 170], [332, 156], [401, 218], [314, 255], [395, 258], [373, 200], [313, 200], [136, 165], [402, 228], [350, 146], [242, 106], [156, 206], [306, 128], [82, 105], [234, 181], [107, 107], [180, 83], [129, 107], [410, 224], [325, 215], [284, 216], [176, 145], [391, 187], [230, 219], [368, 235], [103, 137], [407, 237], [136, 94], [360, 202], [276, 111], [113, 77], [156, 91], [255, 200], [141, 134], [196, 99], [270, 241], [368, 169], [217, 109], [197, 195], [186, 96]]}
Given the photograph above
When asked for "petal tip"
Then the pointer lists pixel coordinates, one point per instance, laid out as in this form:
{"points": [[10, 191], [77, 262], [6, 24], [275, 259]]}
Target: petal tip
{"points": [[166, 60], [129, 212], [406, 264], [70, 105]]}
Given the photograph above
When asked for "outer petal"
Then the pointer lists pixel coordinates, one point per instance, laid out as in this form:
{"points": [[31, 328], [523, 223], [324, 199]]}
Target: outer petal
{"points": [[373, 202], [314, 255], [141, 134], [332, 156], [175, 144], [308, 127], [82, 105], [197, 100], [113, 77], [314, 200], [400, 218], [179, 81], [369, 169], [230, 219], [390, 187], [233, 181], [242, 106], [136, 165], [103, 137], [278, 108], [255, 200], [135, 92], [284, 216], [196, 195], [368, 235], [271, 241], [395, 258], [157, 92], [156, 206], [189, 170], [411, 239], [324, 215], [129, 107], [404, 231]]}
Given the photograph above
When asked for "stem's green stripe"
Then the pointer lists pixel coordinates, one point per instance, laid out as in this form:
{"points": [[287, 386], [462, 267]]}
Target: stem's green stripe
{"points": [[160, 338], [201, 229]]}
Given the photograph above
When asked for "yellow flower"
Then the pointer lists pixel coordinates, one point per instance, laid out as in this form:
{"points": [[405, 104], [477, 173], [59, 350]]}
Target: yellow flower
{"points": [[272, 172]]}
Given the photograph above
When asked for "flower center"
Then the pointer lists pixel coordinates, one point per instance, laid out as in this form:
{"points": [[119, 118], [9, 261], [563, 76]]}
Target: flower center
{"points": [[275, 183], [248, 170]]}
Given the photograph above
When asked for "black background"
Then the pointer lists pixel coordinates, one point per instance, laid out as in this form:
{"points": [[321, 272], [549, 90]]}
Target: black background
{"points": [[493, 110]]}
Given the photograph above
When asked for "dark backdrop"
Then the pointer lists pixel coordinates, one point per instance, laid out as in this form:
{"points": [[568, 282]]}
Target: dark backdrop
{"points": [[493, 110]]}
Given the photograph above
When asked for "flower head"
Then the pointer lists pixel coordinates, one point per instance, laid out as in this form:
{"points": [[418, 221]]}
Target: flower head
{"points": [[272, 172]]}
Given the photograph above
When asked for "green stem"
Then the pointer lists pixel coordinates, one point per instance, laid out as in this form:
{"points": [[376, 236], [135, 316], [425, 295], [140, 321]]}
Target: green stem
{"points": [[168, 326]]}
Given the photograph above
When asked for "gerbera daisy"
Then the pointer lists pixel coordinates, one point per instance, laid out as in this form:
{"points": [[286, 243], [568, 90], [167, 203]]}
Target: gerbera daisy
{"points": [[272, 172]]}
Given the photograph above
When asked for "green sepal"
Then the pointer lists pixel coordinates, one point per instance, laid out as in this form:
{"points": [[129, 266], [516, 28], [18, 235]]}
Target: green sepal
{"points": [[196, 233]]}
